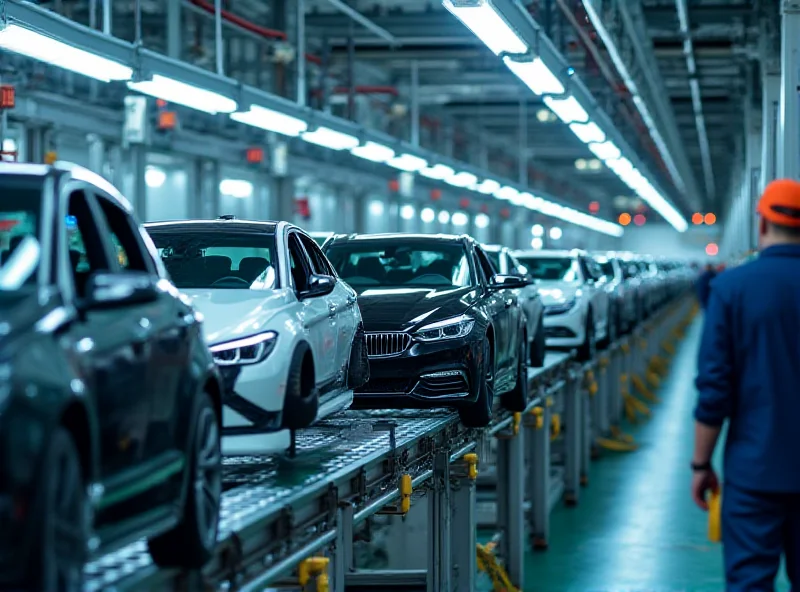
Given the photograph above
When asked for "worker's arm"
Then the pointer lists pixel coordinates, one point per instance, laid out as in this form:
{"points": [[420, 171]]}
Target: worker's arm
{"points": [[714, 385]]}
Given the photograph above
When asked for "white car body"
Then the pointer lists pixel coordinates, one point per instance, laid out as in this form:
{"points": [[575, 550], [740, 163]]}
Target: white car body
{"points": [[568, 303], [327, 324]]}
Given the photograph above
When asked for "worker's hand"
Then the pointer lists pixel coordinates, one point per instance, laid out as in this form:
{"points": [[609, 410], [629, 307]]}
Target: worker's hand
{"points": [[703, 482]]}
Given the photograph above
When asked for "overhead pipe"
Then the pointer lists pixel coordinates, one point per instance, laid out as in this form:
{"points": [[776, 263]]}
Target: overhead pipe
{"points": [[697, 101], [364, 21]]}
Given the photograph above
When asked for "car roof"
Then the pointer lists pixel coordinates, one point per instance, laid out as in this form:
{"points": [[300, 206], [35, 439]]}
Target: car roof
{"points": [[494, 248], [549, 253], [400, 236], [75, 171], [267, 226]]}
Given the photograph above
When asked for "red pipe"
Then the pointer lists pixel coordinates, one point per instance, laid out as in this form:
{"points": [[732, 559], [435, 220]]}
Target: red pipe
{"points": [[250, 26]]}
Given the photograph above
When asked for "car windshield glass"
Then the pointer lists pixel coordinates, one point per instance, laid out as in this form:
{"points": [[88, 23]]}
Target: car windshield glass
{"points": [[494, 256], [557, 269], [207, 258], [607, 268], [20, 250], [401, 263]]}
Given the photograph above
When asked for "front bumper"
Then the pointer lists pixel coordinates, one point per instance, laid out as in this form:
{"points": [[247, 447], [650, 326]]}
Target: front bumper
{"points": [[440, 374], [566, 329], [253, 397]]}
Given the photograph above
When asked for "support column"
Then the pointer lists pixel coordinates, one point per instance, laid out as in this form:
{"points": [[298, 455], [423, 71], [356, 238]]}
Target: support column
{"points": [[174, 41], [573, 420], [97, 153], [301, 52], [439, 554], [463, 526], [137, 159], [510, 500], [414, 103], [789, 123], [538, 444], [770, 109], [283, 205]]}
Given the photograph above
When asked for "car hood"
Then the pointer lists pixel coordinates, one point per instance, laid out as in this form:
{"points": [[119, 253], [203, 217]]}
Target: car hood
{"points": [[557, 292], [400, 309], [233, 314]]}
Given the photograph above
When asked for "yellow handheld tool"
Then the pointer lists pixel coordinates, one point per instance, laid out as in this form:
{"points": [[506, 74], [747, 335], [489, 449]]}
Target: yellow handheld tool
{"points": [[715, 516]]}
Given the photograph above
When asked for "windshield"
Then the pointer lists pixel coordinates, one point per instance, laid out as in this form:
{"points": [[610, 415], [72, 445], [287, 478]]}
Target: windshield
{"points": [[607, 267], [206, 258], [494, 257], [408, 264], [20, 250], [558, 269]]}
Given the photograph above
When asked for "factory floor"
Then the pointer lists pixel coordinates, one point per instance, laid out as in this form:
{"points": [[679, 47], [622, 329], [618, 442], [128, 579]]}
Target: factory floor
{"points": [[636, 528]]}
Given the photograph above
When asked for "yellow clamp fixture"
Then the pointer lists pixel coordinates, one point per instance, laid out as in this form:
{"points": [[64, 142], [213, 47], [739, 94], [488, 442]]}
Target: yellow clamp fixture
{"points": [[593, 388], [555, 426], [538, 413], [405, 493], [549, 401], [316, 567], [517, 417], [50, 157], [472, 465]]}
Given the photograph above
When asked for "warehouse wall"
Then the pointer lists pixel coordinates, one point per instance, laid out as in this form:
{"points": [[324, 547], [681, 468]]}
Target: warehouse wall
{"points": [[662, 240]]}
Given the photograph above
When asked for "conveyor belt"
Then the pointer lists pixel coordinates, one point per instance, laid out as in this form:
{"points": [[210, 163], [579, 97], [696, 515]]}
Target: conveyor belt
{"points": [[277, 508]]}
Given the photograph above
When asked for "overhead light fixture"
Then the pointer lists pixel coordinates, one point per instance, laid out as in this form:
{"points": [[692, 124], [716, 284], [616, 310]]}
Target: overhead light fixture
{"points": [[480, 17], [506, 192], [555, 233], [407, 212], [440, 172], [482, 220], [460, 219], [175, 91], [427, 215], [238, 188], [488, 187], [376, 208], [545, 115], [329, 138], [270, 120], [568, 110], [537, 243], [154, 177], [605, 150], [531, 202], [588, 132], [536, 76], [373, 151], [537, 230], [444, 217], [462, 179], [51, 51], [408, 163]]}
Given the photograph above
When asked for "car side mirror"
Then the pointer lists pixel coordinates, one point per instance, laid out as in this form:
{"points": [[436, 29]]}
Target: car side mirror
{"points": [[319, 285], [507, 282], [106, 290]]}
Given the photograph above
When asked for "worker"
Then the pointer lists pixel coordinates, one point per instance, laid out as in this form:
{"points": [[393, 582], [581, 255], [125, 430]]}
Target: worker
{"points": [[703, 282], [748, 375]]}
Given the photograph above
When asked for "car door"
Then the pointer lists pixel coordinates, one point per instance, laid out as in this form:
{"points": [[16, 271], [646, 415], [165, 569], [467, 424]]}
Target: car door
{"points": [[533, 302], [106, 343], [316, 313], [500, 303], [341, 305], [165, 326], [600, 299]]}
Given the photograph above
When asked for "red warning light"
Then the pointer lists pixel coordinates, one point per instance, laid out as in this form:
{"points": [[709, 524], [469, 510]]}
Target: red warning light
{"points": [[625, 218], [639, 219], [697, 218], [255, 155], [436, 194], [8, 96], [463, 203], [594, 207], [710, 219], [712, 250], [394, 185]]}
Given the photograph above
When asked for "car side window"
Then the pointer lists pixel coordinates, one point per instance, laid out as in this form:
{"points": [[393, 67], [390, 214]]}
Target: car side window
{"points": [[298, 264], [486, 266], [85, 247], [127, 246], [318, 259]]}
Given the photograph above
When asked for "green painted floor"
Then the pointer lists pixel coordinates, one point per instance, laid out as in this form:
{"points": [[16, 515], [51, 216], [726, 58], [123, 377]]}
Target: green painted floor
{"points": [[636, 528]]}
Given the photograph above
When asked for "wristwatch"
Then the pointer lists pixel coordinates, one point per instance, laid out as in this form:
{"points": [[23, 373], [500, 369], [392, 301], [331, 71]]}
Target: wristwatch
{"points": [[700, 467]]}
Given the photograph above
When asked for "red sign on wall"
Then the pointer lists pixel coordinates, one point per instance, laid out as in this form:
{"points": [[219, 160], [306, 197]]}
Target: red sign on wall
{"points": [[302, 208]]}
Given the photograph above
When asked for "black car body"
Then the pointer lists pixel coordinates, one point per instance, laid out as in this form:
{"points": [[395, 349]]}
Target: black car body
{"points": [[109, 408], [443, 330]]}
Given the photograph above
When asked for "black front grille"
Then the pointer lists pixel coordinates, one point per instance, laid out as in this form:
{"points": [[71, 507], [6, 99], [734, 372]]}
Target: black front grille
{"points": [[559, 332], [387, 344], [442, 384]]}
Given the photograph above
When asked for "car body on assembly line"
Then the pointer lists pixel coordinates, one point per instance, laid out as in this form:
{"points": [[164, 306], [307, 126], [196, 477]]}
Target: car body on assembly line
{"points": [[111, 402], [505, 263], [575, 303], [443, 329], [285, 331], [622, 306]]}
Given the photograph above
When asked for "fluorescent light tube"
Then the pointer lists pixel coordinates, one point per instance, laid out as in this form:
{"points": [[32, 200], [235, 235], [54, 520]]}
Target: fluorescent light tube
{"points": [[57, 53], [373, 151], [328, 138], [272, 121], [481, 18], [439, 172], [588, 132], [488, 186], [174, 91], [605, 150], [460, 219], [236, 188], [536, 76], [531, 201], [462, 179], [408, 162], [506, 192], [567, 110]]}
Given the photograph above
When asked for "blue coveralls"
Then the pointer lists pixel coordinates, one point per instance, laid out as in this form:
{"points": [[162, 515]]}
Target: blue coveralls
{"points": [[749, 373]]}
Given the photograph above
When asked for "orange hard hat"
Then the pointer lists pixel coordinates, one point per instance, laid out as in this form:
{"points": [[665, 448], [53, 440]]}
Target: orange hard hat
{"points": [[780, 203]]}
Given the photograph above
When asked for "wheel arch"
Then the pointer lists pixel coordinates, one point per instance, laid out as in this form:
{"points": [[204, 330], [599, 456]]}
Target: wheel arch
{"points": [[76, 420]]}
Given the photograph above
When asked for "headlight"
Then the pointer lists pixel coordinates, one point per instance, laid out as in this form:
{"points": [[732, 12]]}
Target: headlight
{"points": [[248, 350], [446, 329], [554, 309]]}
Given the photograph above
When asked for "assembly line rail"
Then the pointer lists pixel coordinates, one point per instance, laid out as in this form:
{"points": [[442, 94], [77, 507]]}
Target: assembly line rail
{"points": [[279, 510]]}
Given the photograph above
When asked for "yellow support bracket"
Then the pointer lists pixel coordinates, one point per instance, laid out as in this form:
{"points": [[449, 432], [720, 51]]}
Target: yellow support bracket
{"points": [[593, 388], [472, 465], [618, 434], [668, 347], [636, 406], [549, 402], [653, 379], [405, 493], [642, 389], [555, 426], [487, 563], [314, 567], [538, 415], [616, 445]]}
